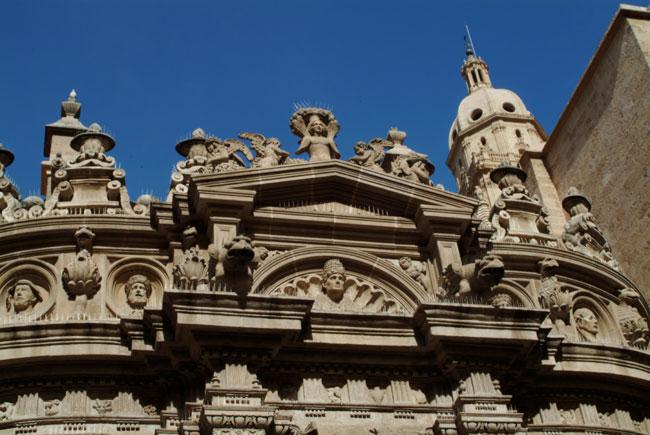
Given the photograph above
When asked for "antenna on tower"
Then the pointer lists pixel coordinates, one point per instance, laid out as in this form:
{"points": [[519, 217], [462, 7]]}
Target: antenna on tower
{"points": [[471, 44]]}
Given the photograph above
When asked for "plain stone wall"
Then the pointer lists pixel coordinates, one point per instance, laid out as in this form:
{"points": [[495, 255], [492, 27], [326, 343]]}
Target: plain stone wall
{"points": [[602, 144]]}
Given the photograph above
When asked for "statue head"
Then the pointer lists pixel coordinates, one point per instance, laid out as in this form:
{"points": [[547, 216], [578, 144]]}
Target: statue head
{"points": [[138, 290], [586, 323], [405, 262], [316, 126], [334, 279], [23, 297]]}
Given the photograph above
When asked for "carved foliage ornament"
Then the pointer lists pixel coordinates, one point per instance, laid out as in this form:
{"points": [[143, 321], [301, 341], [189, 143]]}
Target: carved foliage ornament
{"points": [[81, 277], [552, 296]]}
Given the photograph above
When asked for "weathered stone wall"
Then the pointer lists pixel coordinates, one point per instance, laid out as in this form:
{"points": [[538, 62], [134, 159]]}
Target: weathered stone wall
{"points": [[601, 144]]}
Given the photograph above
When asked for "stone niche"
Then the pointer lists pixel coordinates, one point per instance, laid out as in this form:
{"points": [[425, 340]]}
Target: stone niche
{"points": [[135, 283], [27, 289]]}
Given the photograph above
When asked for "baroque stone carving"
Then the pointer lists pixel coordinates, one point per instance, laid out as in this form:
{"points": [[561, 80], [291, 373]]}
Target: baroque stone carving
{"points": [[138, 291], [517, 215], [581, 234], [369, 155], [23, 297], [81, 277], [478, 277], [403, 162], [633, 325], [234, 263], [52, 407], [316, 129], [586, 324], [416, 270], [191, 273], [483, 209], [334, 289], [552, 296], [268, 151], [6, 411], [92, 146]]}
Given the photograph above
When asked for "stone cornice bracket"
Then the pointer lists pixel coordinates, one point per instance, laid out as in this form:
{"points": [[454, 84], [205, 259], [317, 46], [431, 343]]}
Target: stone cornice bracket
{"points": [[461, 331], [84, 238]]}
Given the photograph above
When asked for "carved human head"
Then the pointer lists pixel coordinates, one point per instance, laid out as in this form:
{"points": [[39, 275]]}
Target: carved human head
{"points": [[405, 262], [334, 279], [361, 146], [586, 321], [316, 126], [138, 290], [23, 296]]}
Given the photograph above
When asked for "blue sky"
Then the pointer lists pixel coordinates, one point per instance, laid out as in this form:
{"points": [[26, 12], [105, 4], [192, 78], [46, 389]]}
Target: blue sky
{"points": [[150, 72]]}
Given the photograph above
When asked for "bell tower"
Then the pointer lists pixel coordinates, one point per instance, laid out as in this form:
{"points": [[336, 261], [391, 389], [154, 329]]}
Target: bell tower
{"points": [[492, 126]]}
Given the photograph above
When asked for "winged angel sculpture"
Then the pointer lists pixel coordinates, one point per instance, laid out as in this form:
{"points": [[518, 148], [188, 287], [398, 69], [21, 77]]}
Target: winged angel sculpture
{"points": [[369, 155], [317, 129], [268, 151]]}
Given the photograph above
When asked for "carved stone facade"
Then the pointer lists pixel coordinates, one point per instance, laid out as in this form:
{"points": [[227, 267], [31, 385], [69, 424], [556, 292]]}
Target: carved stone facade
{"points": [[274, 295]]}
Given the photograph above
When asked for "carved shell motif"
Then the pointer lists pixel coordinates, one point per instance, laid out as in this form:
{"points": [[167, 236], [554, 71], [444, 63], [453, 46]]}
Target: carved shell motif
{"points": [[81, 276], [359, 295]]}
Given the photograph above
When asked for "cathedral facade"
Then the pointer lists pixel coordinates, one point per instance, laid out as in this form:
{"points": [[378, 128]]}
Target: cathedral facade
{"points": [[273, 294]]}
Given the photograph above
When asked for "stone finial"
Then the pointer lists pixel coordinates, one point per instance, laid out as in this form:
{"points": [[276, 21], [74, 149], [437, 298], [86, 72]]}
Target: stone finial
{"points": [[71, 108], [6, 158], [506, 175], [575, 203]]}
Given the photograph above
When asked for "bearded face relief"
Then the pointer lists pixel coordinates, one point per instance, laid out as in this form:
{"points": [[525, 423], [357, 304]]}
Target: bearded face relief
{"points": [[23, 297], [334, 279], [138, 290]]}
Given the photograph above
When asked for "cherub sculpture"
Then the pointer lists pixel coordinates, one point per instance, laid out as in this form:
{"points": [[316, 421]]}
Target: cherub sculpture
{"points": [[268, 150], [317, 129], [222, 155], [369, 155]]}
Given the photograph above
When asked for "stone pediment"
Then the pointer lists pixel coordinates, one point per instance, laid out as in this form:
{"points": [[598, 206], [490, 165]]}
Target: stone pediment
{"points": [[319, 185]]}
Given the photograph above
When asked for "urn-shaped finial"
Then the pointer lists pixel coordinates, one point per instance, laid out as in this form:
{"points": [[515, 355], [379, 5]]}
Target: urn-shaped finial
{"points": [[93, 141], [575, 203], [506, 175]]}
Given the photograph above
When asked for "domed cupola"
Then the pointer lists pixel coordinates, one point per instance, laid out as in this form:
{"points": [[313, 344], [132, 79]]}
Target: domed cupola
{"points": [[491, 126]]}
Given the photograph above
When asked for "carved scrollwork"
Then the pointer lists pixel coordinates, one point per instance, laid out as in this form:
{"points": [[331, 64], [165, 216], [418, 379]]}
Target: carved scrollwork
{"points": [[633, 325]]}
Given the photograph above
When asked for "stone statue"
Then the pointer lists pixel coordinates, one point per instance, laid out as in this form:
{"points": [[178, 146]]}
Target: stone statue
{"points": [[552, 296], [581, 234], [268, 151], [333, 281], [479, 276], [23, 297], [415, 270], [317, 129], [234, 263], [138, 291], [633, 325], [92, 146], [586, 324], [413, 167], [369, 155]]}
